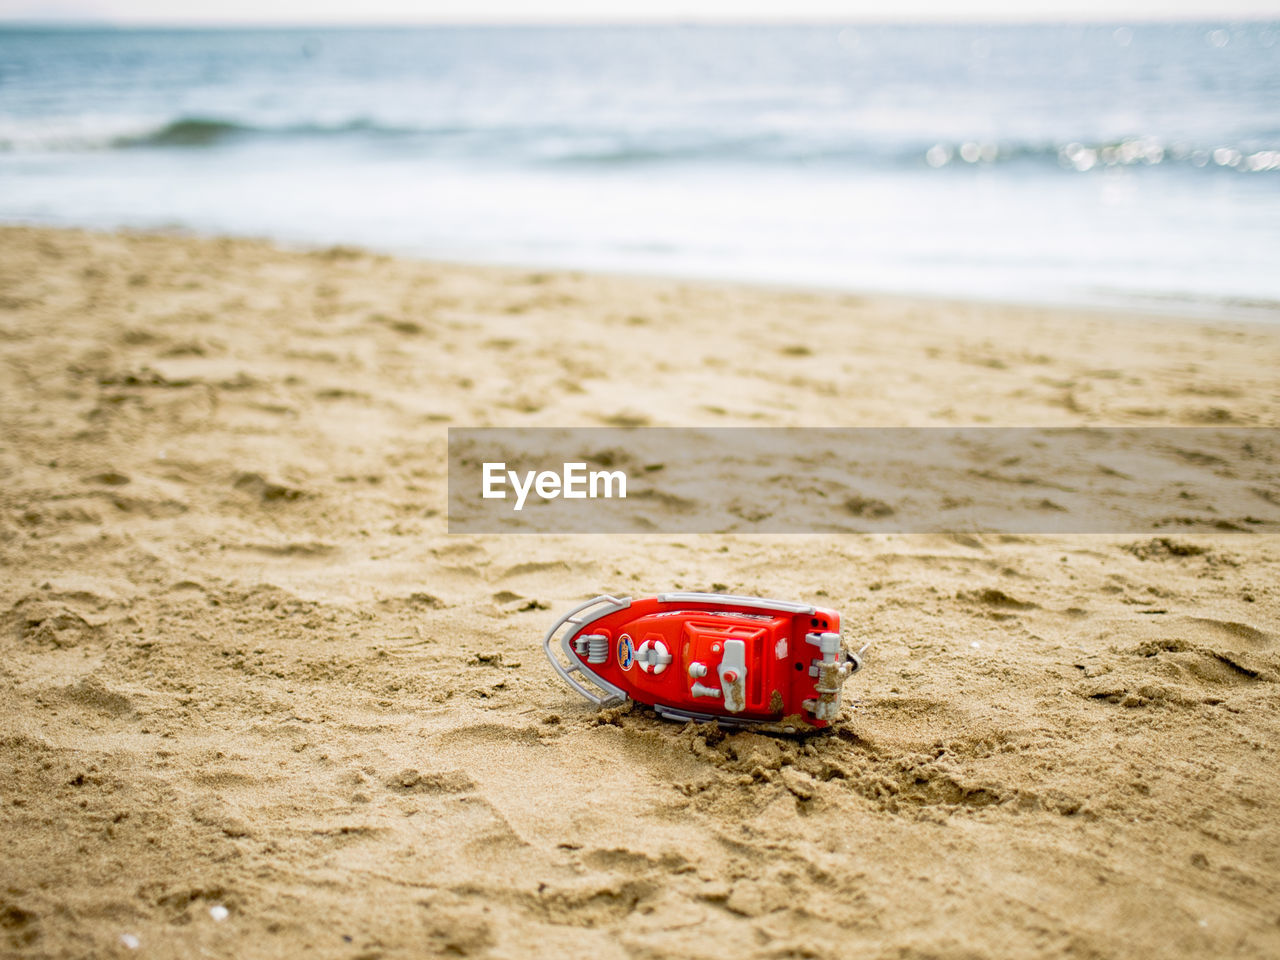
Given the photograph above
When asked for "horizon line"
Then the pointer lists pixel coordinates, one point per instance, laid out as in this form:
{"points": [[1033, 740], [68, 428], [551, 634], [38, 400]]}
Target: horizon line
{"points": [[931, 20]]}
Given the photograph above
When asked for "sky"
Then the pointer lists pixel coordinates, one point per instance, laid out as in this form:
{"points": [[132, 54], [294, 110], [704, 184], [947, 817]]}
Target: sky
{"points": [[560, 11]]}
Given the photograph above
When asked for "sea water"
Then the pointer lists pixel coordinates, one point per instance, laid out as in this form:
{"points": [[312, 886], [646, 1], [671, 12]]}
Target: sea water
{"points": [[1135, 164]]}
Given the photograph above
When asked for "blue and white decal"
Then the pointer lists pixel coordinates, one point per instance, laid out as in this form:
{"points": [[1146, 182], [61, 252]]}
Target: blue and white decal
{"points": [[626, 652]]}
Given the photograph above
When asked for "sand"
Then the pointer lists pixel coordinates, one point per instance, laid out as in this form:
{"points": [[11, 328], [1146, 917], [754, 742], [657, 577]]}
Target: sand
{"points": [[256, 702]]}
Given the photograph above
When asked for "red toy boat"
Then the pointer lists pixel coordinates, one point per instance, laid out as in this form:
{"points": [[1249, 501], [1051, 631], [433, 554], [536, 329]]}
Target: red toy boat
{"points": [[744, 661]]}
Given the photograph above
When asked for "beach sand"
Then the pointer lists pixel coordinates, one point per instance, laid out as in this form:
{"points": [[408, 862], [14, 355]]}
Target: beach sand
{"points": [[245, 669]]}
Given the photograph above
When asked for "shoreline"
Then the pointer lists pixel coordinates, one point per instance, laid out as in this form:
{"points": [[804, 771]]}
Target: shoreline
{"points": [[1163, 306], [1170, 306]]}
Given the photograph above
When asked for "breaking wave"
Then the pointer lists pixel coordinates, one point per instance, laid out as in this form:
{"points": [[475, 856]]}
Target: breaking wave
{"points": [[596, 146], [185, 132], [85, 134]]}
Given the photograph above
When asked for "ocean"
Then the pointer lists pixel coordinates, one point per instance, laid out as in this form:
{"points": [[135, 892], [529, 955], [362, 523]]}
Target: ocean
{"points": [[1098, 164]]}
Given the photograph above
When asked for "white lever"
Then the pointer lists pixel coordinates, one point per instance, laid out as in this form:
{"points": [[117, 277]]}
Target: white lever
{"points": [[733, 675]]}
